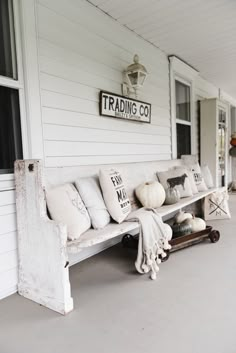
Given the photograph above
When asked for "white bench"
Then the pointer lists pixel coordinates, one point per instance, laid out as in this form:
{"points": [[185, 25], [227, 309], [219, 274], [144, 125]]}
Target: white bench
{"points": [[44, 252]]}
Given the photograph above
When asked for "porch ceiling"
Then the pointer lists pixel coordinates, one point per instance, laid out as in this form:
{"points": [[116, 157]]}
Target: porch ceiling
{"points": [[201, 32]]}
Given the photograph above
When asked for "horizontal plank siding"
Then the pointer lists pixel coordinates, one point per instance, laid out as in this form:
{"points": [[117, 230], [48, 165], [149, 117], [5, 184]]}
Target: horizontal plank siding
{"points": [[76, 134], [97, 160], [7, 197], [7, 209], [7, 223], [62, 148], [8, 282], [8, 261], [72, 119], [78, 57], [8, 244]]}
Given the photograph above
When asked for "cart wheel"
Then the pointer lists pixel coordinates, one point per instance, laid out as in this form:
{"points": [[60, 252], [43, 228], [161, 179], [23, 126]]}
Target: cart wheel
{"points": [[164, 259], [214, 236], [129, 241]]}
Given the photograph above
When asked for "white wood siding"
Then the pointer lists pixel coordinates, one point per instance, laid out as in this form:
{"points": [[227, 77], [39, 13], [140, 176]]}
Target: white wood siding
{"points": [[83, 51], [8, 244]]}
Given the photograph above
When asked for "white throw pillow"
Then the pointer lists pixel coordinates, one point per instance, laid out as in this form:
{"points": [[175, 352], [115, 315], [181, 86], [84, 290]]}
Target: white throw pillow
{"points": [[206, 173], [216, 206], [178, 179], [91, 195], [190, 178], [65, 206], [199, 180], [114, 193]]}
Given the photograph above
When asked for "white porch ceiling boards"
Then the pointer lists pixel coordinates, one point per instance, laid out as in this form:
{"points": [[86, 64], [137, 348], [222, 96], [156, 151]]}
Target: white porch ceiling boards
{"points": [[201, 32]]}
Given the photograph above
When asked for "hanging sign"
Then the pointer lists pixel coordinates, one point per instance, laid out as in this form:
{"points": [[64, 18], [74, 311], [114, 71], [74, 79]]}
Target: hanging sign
{"points": [[121, 107]]}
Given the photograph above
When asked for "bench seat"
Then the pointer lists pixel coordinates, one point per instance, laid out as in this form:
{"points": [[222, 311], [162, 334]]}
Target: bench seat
{"points": [[165, 210], [112, 230], [96, 236]]}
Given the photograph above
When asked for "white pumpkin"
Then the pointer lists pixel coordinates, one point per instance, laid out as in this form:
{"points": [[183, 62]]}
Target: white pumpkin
{"points": [[168, 231], [151, 194], [181, 216], [197, 224]]}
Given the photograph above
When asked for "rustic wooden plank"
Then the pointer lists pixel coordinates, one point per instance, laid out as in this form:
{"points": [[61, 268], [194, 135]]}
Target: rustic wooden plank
{"points": [[92, 236], [43, 274]]}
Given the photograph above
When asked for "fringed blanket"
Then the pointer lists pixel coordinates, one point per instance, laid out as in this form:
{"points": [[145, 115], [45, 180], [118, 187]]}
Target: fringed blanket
{"points": [[154, 239]]}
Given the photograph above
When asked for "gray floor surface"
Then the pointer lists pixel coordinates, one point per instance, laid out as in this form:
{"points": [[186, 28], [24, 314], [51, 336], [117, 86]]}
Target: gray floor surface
{"points": [[190, 308]]}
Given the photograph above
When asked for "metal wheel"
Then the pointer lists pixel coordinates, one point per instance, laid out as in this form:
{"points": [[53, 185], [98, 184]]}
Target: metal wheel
{"points": [[214, 236], [164, 259], [129, 241]]}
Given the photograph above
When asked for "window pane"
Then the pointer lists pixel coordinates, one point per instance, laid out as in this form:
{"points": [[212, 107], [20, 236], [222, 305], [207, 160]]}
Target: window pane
{"points": [[182, 93], [222, 116], [7, 41], [10, 130], [183, 139]]}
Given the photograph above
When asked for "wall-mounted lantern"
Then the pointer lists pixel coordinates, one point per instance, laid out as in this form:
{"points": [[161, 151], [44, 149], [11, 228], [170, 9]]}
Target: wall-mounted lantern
{"points": [[135, 74]]}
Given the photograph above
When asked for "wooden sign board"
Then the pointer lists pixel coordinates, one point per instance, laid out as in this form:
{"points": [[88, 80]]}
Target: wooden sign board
{"points": [[120, 107]]}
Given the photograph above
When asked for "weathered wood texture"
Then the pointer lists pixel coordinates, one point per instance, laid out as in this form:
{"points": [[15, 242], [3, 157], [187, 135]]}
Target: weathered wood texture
{"points": [[43, 274]]}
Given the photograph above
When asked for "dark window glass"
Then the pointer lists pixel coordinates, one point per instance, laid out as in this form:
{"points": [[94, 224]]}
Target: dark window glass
{"points": [[183, 139], [182, 98], [10, 129], [7, 41]]}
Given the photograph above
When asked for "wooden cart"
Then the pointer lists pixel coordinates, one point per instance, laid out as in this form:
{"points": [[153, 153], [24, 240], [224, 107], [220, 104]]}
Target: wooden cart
{"points": [[180, 242], [184, 241]]}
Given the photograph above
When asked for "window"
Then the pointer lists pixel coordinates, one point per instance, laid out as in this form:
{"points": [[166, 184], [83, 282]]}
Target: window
{"points": [[183, 118], [10, 125]]}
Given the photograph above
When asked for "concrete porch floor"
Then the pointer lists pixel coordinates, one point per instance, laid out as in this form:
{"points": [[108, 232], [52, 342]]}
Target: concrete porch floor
{"points": [[190, 308]]}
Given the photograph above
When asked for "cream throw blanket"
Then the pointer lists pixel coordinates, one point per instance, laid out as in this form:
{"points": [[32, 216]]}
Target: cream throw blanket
{"points": [[154, 239]]}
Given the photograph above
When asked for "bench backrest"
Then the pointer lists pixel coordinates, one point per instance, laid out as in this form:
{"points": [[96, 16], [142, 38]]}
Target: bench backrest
{"points": [[133, 174]]}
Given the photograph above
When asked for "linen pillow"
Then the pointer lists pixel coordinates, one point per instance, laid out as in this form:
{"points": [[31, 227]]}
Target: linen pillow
{"points": [[65, 206], [114, 193], [191, 178], [207, 176], [199, 180], [91, 195], [178, 179], [216, 206]]}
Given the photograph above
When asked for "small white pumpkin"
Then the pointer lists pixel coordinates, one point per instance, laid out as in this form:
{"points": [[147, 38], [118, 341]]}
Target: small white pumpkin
{"points": [[151, 194], [197, 224], [181, 216], [172, 196]]}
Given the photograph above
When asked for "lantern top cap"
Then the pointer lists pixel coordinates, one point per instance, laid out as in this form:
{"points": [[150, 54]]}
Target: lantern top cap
{"points": [[136, 66]]}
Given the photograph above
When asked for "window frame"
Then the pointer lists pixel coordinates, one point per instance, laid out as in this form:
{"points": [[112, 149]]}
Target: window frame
{"points": [[181, 121], [7, 180], [182, 72]]}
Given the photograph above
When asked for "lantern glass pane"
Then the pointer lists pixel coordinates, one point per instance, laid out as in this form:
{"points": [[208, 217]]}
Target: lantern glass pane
{"points": [[133, 78], [142, 77]]}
